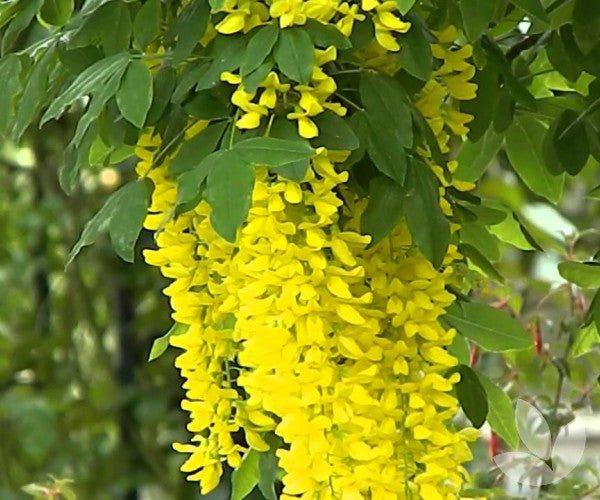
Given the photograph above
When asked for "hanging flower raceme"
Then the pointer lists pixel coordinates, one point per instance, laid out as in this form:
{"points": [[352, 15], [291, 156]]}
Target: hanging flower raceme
{"points": [[304, 339]]}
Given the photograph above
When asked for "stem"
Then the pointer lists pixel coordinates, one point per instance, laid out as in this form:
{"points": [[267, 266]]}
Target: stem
{"points": [[348, 101], [235, 119]]}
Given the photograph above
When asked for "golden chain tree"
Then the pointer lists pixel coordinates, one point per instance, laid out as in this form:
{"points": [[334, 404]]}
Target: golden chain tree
{"points": [[296, 161]]}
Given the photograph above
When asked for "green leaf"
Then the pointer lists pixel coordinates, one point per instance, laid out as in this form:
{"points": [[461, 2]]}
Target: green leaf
{"points": [[253, 80], [478, 259], [294, 54], [115, 24], [25, 11], [491, 328], [477, 235], [207, 106], [132, 196], [384, 210], [134, 96], [326, 35], [259, 47], [475, 157], [163, 84], [405, 5], [189, 28], [501, 414], [128, 218], [98, 104], [10, 70], [570, 142], [246, 476], [34, 93], [146, 25], [582, 274], [269, 469], [190, 181], [76, 159], [226, 52], [428, 226], [79, 59], [334, 133], [193, 151], [510, 231], [56, 12], [585, 340], [460, 349], [534, 8], [388, 156], [560, 60], [586, 24], [216, 5], [386, 103], [524, 139], [415, 53], [275, 153], [229, 192], [160, 344], [390, 123], [91, 80], [472, 396], [476, 16]]}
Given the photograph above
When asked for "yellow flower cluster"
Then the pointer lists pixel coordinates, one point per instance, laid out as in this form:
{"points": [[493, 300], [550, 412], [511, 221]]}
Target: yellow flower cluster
{"points": [[450, 83], [334, 346], [310, 100], [244, 15], [300, 328]]}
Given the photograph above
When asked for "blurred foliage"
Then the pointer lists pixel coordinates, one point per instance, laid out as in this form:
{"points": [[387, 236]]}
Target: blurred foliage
{"points": [[77, 398]]}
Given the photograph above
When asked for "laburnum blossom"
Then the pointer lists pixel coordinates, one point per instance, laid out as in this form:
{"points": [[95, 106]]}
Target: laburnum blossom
{"points": [[301, 338], [450, 83], [337, 346]]}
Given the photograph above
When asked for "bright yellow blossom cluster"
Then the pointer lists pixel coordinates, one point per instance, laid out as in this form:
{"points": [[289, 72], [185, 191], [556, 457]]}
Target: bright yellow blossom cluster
{"points": [[244, 15], [300, 328], [310, 100], [450, 83]]}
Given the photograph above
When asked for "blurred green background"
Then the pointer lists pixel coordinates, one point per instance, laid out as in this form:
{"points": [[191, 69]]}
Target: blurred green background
{"points": [[77, 398]]}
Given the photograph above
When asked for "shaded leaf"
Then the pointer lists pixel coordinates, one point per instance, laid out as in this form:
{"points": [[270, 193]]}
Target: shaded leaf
{"points": [[326, 35], [384, 210], [586, 24], [429, 228], [533, 7], [472, 396], [146, 25], [56, 12]]}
